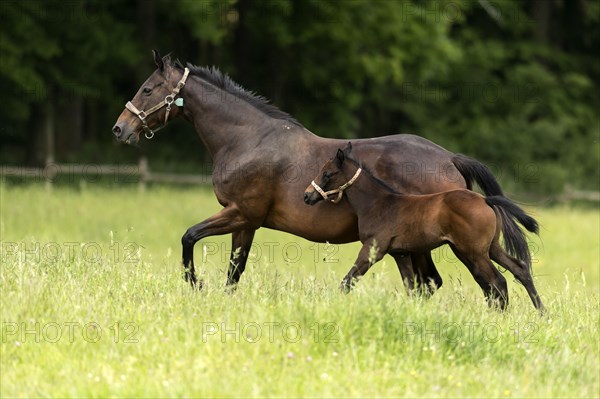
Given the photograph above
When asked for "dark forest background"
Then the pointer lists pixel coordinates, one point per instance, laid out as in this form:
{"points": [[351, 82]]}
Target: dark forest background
{"points": [[512, 83]]}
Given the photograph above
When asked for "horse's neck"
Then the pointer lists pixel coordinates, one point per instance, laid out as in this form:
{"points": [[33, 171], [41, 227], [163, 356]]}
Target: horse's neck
{"points": [[224, 122], [365, 189]]}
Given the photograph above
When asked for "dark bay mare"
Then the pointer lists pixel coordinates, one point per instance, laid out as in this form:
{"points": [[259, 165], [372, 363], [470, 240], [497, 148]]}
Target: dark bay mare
{"points": [[400, 224], [263, 159]]}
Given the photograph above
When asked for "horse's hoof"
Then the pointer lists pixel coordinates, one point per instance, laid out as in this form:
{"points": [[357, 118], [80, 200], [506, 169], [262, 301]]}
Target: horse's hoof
{"points": [[230, 288], [345, 287], [542, 310], [197, 285], [194, 283]]}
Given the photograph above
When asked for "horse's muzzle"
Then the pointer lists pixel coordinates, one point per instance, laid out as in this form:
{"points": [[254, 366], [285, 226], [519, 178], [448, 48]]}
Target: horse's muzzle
{"points": [[311, 198], [123, 135]]}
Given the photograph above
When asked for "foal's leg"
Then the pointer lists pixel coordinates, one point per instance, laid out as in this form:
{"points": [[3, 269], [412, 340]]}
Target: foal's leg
{"points": [[363, 263], [241, 241], [519, 270], [426, 275], [406, 271], [487, 276], [227, 220]]}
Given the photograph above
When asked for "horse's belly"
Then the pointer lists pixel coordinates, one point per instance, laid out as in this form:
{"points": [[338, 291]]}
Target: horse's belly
{"points": [[415, 244], [323, 222]]}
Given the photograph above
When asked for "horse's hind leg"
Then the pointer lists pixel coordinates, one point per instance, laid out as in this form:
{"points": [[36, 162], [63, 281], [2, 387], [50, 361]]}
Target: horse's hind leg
{"points": [[406, 271], [519, 270], [427, 277], [241, 241], [487, 276]]}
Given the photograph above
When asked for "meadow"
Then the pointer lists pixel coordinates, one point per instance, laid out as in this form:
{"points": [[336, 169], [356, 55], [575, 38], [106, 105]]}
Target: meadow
{"points": [[93, 304]]}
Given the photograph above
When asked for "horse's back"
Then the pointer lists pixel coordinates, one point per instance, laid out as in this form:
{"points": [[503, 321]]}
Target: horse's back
{"points": [[411, 164]]}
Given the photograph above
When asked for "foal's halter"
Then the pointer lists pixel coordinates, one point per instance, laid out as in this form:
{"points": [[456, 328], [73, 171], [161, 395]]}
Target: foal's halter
{"points": [[168, 101], [339, 191]]}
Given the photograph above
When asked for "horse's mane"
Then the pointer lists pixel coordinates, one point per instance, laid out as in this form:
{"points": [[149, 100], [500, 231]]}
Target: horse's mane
{"points": [[221, 80]]}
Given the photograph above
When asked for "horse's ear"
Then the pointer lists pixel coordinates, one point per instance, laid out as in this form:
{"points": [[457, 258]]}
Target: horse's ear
{"points": [[348, 148], [339, 157], [158, 60]]}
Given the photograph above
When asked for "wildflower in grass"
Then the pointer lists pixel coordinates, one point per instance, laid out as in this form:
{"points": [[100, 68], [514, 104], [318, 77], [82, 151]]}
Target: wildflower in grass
{"points": [[290, 355]]}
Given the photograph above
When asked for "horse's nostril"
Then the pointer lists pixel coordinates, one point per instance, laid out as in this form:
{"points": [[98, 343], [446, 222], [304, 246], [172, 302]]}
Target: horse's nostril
{"points": [[116, 130], [306, 195]]}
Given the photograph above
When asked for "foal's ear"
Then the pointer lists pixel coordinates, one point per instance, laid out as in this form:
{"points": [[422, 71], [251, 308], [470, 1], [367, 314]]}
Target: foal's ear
{"points": [[348, 148], [339, 158], [158, 60]]}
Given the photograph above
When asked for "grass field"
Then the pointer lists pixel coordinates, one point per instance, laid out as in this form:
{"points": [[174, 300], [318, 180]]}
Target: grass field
{"points": [[93, 304]]}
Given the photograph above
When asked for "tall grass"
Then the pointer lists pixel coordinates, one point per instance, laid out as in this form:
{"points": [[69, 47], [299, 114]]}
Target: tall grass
{"points": [[93, 304]]}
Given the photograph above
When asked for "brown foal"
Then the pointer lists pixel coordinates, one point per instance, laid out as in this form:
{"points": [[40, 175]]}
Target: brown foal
{"points": [[400, 224]]}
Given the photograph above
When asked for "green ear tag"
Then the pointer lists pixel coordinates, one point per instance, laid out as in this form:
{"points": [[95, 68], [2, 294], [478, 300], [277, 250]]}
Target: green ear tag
{"points": [[179, 102]]}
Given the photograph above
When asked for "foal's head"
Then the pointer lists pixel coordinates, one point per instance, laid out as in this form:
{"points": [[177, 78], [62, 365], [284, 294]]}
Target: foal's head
{"points": [[153, 91], [332, 180]]}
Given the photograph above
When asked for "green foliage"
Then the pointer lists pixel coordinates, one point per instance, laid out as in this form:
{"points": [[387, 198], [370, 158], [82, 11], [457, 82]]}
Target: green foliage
{"points": [[478, 77]]}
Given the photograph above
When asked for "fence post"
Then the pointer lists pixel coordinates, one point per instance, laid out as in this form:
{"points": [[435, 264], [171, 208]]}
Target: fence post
{"points": [[144, 173], [49, 133]]}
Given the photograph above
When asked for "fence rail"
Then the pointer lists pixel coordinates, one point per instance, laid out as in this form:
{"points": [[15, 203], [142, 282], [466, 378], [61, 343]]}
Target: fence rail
{"points": [[140, 171]]}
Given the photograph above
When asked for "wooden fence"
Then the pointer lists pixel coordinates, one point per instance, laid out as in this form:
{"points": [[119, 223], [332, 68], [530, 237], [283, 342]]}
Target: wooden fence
{"points": [[129, 173], [141, 174]]}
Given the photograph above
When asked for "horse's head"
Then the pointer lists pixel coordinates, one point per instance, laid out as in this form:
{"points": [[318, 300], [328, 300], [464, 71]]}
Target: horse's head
{"points": [[332, 179], [152, 106]]}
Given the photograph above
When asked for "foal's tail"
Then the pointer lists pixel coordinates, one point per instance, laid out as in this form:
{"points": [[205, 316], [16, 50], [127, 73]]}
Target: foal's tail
{"points": [[473, 170], [514, 236]]}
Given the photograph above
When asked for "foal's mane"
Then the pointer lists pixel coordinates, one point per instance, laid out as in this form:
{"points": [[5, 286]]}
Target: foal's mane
{"points": [[372, 176], [222, 81]]}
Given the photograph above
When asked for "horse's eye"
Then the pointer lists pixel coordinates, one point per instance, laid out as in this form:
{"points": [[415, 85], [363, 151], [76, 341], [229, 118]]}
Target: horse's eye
{"points": [[326, 175], [147, 90]]}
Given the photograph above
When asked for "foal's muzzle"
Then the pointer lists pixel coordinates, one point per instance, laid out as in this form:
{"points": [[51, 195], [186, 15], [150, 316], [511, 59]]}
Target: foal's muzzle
{"points": [[312, 198]]}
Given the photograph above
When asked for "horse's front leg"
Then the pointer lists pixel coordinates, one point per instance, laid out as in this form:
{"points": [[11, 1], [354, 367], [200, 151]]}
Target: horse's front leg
{"points": [[241, 241], [370, 253], [227, 220]]}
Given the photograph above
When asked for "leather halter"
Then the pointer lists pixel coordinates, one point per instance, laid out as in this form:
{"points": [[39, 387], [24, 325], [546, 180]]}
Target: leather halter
{"points": [[339, 191], [168, 101]]}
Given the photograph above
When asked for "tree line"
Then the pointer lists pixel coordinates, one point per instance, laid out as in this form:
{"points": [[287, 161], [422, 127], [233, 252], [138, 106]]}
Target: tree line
{"points": [[513, 83]]}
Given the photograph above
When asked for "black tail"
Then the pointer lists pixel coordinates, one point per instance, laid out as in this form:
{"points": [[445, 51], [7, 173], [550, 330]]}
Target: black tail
{"points": [[473, 170], [514, 237]]}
